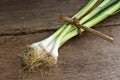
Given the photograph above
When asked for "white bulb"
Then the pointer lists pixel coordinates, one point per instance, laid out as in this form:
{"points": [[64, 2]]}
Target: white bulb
{"points": [[35, 44], [55, 48]]}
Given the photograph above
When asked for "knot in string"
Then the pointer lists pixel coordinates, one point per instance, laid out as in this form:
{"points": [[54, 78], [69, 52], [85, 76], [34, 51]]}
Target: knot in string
{"points": [[79, 27]]}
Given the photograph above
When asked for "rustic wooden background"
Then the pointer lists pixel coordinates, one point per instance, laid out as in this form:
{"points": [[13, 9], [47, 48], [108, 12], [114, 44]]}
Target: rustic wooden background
{"points": [[23, 22]]}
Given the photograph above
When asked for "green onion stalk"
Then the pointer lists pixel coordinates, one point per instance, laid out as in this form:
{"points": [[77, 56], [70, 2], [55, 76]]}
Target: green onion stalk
{"points": [[45, 52]]}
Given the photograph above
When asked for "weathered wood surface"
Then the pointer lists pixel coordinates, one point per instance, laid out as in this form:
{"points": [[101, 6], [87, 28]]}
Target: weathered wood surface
{"points": [[23, 22]]}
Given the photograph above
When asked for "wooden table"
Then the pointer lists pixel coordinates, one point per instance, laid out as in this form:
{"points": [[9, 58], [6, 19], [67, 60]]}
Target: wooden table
{"points": [[87, 57]]}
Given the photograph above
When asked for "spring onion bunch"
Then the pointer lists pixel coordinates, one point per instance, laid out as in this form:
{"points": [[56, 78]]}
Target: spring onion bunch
{"points": [[45, 52]]}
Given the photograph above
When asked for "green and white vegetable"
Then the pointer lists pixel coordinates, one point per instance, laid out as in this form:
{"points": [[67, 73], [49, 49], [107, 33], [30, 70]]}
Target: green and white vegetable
{"points": [[45, 52]]}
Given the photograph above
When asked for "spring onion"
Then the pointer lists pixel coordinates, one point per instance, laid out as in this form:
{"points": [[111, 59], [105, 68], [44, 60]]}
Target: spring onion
{"points": [[45, 52]]}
